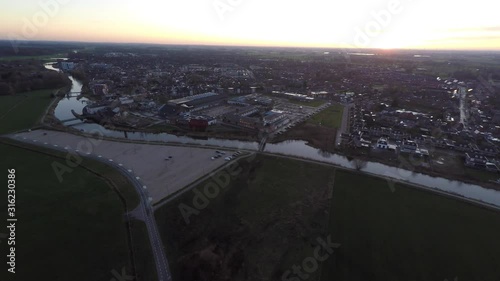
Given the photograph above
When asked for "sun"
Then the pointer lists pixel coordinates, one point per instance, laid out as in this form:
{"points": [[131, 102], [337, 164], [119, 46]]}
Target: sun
{"points": [[388, 44]]}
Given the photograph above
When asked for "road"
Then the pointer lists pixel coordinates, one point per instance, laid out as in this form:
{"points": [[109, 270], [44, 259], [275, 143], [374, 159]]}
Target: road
{"points": [[145, 208], [462, 92], [201, 180], [146, 212], [344, 126]]}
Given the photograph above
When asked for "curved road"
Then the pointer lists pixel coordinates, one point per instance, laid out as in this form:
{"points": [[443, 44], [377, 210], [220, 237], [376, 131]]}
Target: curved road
{"points": [[145, 209]]}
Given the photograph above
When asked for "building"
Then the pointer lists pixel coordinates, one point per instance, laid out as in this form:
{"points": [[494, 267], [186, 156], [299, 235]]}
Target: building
{"points": [[100, 90], [247, 111], [67, 65], [273, 118], [240, 101], [199, 124], [126, 101], [299, 97], [197, 102], [168, 111], [243, 122], [382, 143], [322, 94], [94, 109], [480, 162], [409, 146]]}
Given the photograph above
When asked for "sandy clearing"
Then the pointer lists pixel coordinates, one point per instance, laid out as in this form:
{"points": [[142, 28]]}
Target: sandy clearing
{"points": [[162, 177]]}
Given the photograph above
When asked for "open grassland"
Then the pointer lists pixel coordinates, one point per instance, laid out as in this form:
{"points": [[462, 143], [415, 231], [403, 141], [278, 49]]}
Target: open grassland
{"points": [[314, 103], [69, 230], [408, 234], [270, 215], [22, 111], [256, 228], [330, 117]]}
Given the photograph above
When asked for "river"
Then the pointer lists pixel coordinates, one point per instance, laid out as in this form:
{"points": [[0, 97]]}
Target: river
{"points": [[290, 148]]}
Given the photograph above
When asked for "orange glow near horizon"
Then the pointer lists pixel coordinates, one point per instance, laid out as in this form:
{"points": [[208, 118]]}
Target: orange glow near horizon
{"points": [[385, 24]]}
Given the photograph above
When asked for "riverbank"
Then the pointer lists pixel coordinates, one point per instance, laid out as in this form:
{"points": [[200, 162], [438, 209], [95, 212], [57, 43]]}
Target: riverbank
{"points": [[319, 137], [416, 166], [361, 213], [288, 146], [311, 135], [323, 139]]}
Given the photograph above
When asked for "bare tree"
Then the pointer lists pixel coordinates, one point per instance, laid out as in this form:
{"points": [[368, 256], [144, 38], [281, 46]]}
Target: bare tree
{"points": [[359, 164]]}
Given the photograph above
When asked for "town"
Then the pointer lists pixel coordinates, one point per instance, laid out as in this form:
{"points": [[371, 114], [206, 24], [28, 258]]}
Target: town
{"points": [[397, 106]]}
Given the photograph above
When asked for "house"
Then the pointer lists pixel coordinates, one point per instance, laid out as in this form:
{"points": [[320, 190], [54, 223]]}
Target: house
{"points": [[167, 110], [66, 65], [409, 146], [199, 124], [94, 109], [480, 162], [382, 143], [273, 117], [247, 111], [244, 122], [100, 90]]}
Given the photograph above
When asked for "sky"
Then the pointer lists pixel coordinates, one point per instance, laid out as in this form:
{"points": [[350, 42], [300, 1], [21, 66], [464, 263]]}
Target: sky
{"points": [[412, 24]]}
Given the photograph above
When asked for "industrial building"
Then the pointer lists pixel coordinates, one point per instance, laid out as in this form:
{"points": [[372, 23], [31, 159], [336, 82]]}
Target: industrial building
{"points": [[197, 102]]}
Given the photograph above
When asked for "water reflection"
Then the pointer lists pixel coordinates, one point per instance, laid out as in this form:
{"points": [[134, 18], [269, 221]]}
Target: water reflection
{"points": [[290, 148]]}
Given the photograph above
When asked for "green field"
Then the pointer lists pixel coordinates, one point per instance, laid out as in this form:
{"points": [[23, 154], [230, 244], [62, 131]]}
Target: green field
{"points": [[408, 234], [262, 218], [269, 216], [74, 229], [69, 230], [314, 103], [22, 111], [330, 117], [43, 58]]}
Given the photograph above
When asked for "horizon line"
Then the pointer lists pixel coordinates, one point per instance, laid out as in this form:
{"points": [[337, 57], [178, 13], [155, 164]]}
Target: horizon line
{"points": [[248, 46]]}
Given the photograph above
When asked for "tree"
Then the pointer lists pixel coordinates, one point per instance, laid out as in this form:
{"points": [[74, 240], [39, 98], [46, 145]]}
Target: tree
{"points": [[5, 89], [359, 164], [395, 102]]}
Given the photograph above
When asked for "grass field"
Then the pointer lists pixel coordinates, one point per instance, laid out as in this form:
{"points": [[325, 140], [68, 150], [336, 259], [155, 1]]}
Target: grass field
{"points": [[74, 229], [44, 57], [330, 117], [269, 216], [314, 103], [408, 234], [70, 230], [22, 111], [261, 224]]}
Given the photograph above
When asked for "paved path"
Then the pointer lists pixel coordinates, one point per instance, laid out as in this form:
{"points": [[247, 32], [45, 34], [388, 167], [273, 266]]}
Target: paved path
{"points": [[146, 212], [143, 212], [164, 169], [344, 126]]}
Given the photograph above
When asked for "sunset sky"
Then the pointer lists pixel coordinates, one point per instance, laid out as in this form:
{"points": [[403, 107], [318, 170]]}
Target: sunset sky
{"points": [[424, 24]]}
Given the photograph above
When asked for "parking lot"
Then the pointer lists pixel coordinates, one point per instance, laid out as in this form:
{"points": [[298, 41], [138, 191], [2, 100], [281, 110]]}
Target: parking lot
{"points": [[296, 114], [218, 111], [162, 169]]}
